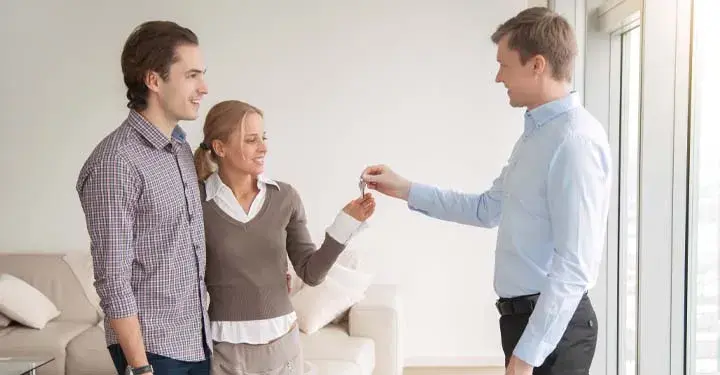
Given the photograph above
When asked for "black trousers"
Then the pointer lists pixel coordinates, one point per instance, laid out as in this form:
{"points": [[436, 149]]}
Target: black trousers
{"points": [[573, 354]]}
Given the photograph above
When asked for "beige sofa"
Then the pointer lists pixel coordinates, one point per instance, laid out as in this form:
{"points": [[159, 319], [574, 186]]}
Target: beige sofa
{"points": [[369, 343]]}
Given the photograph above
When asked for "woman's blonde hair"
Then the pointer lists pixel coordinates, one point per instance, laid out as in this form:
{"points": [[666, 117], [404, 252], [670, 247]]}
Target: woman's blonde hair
{"points": [[221, 121]]}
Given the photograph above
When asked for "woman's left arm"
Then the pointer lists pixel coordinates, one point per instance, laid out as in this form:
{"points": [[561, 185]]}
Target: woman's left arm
{"points": [[312, 264]]}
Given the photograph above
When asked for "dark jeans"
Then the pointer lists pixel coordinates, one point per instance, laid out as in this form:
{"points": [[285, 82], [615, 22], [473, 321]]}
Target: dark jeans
{"points": [[573, 354], [162, 365]]}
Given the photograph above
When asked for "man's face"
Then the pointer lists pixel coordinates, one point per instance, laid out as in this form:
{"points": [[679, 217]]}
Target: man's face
{"points": [[181, 93], [520, 79]]}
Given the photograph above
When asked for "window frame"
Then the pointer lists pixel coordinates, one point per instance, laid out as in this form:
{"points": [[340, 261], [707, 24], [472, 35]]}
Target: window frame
{"points": [[620, 89], [662, 197], [692, 205]]}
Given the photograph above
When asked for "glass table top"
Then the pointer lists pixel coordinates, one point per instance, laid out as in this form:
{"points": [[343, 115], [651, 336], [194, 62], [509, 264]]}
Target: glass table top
{"points": [[22, 365]]}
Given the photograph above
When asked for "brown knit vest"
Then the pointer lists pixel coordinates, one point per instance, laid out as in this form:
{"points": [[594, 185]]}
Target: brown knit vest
{"points": [[247, 262]]}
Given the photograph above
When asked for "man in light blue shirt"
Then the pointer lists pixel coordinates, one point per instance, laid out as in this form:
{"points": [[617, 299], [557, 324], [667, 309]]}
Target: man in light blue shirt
{"points": [[550, 202]]}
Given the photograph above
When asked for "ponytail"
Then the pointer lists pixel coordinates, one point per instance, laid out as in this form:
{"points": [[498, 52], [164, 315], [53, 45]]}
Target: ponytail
{"points": [[204, 165]]}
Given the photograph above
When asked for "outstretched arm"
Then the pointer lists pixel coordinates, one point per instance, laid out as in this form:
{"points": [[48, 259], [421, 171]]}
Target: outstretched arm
{"points": [[311, 264], [482, 210]]}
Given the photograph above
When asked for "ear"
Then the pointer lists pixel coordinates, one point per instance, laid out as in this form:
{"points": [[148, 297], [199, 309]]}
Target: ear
{"points": [[152, 81], [218, 148], [539, 64]]}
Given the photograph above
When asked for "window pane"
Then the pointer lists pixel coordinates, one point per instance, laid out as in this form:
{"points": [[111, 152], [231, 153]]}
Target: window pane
{"points": [[704, 188], [629, 159]]}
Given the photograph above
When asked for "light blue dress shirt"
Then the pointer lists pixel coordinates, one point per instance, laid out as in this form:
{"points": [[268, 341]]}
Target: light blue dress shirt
{"points": [[550, 204]]}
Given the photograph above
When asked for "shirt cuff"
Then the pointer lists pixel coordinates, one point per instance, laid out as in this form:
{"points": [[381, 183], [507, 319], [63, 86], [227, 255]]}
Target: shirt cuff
{"points": [[122, 305], [532, 350], [420, 197], [345, 227]]}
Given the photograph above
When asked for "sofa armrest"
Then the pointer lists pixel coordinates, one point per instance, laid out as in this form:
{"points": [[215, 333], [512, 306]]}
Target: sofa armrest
{"points": [[378, 317]]}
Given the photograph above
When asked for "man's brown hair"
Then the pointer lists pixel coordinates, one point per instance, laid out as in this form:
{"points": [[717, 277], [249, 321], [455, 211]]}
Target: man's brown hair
{"points": [[151, 47], [540, 31]]}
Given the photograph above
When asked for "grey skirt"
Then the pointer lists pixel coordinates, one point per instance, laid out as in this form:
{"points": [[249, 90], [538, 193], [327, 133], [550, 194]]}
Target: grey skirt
{"points": [[282, 356]]}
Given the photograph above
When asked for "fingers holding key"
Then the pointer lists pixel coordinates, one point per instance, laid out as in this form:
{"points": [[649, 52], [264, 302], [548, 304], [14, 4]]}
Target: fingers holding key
{"points": [[384, 180]]}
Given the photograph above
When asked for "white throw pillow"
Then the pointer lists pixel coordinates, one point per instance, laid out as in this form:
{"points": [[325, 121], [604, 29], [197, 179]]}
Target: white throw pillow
{"points": [[316, 306], [356, 281], [4, 321], [352, 279], [24, 304], [329, 302]]}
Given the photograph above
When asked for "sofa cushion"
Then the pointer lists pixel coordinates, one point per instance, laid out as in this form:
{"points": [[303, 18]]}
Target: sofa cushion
{"points": [[54, 278], [4, 321], [333, 367], [24, 304], [87, 354], [334, 343], [50, 341], [318, 306]]}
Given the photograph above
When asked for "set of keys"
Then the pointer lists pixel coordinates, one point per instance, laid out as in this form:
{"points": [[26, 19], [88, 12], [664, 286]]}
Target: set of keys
{"points": [[362, 186]]}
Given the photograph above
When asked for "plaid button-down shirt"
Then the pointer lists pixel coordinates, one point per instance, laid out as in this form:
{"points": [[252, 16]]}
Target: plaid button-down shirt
{"points": [[139, 192]]}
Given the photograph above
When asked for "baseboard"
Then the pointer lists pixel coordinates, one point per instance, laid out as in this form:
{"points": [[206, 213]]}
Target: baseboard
{"points": [[478, 361]]}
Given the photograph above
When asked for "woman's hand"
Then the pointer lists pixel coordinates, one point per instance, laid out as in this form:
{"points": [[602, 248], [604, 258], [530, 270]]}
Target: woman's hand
{"points": [[362, 208]]}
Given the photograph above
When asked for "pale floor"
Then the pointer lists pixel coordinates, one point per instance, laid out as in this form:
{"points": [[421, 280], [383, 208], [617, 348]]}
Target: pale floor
{"points": [[454, 371]]}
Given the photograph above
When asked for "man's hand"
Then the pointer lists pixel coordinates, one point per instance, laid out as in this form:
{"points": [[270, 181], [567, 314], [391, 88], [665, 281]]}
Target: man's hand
{"points": [[518, 367], [382, 179]]}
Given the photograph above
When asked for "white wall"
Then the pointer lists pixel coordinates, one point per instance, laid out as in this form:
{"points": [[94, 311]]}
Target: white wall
{"points": [[408, 83]]}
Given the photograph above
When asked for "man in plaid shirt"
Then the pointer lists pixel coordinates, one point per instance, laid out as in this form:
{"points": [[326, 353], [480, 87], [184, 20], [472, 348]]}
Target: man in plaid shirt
{"points": [[139, 192]]}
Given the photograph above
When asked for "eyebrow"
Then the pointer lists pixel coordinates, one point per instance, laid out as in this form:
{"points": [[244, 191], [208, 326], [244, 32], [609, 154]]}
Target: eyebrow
{"points": [[254, 134], [196, 71]]}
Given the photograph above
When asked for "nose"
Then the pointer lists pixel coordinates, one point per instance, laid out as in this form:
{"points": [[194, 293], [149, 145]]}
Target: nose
{"points": [[497, 77], [203, 87]]}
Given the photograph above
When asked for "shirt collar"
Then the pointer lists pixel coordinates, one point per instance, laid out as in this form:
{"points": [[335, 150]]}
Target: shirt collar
{"points": [[151, 133], [214, 185], [539, 116]]}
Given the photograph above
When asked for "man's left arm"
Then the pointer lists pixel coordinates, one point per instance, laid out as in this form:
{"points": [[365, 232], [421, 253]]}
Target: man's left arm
{"points": [[578, 190]]}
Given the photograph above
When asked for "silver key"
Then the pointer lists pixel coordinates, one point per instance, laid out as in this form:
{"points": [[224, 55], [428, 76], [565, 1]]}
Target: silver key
{"points": [[362, 185]]}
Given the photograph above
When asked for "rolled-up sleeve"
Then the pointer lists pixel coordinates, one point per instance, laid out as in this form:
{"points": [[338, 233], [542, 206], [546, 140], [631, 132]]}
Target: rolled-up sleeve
{"points": [[109, 192]]}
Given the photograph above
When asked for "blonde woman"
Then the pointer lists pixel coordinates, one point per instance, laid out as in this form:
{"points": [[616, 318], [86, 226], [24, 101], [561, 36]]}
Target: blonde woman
{"points": [[253, 225]]}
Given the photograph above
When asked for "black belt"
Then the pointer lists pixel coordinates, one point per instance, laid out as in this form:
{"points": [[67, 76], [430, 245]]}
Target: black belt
{"points": [[517, 305]]}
